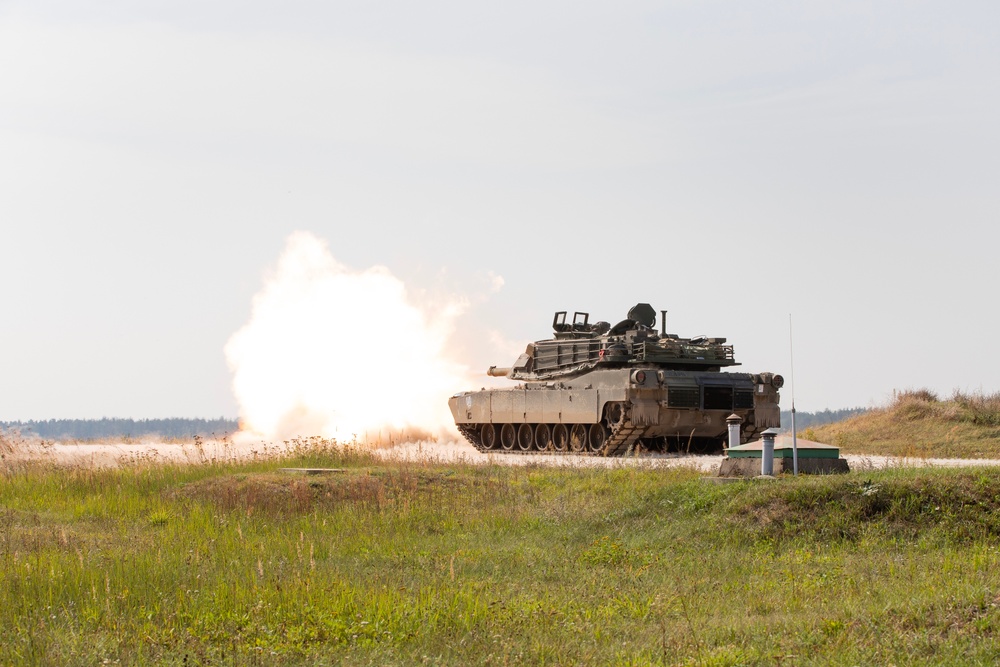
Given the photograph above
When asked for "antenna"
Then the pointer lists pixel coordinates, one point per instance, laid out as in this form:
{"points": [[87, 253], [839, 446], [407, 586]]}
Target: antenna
{"points": [[791, 359]]}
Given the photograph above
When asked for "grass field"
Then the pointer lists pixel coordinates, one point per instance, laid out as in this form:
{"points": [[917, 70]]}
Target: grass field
{"points": [[409, 563], [919, 424]]}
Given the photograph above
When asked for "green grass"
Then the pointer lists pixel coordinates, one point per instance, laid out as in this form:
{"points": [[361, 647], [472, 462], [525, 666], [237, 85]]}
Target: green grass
{"points": [[395, 563], [919, 424]]}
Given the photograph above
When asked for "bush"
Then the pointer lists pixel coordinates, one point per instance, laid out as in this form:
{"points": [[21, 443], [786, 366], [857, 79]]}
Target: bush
{"points": [[981, 409]]}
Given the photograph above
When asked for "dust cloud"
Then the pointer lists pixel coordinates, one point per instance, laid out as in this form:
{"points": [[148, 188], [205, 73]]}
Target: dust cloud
{"points": [[345, 354]]}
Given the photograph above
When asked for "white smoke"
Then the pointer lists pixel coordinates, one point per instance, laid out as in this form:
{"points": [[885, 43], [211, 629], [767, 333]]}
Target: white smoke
{"points": [[341, 353]]}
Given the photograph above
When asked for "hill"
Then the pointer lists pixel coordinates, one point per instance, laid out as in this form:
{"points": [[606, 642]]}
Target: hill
{"points": [[920, 424], [805, 420]]}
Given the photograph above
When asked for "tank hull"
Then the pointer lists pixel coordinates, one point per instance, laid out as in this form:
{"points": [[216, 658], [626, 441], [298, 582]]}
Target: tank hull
{"points": [[618, 409]]}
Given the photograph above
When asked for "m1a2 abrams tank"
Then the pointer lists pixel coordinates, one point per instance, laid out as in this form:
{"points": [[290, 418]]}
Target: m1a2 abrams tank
{"points": [[608, 390]]}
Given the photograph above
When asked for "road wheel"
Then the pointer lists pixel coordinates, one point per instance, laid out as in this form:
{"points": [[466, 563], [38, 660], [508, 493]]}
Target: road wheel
{"points": [[508, 436], [560, 437], [578, 438], [598, 436], [525, 437], [543, 437], [488, 436]]}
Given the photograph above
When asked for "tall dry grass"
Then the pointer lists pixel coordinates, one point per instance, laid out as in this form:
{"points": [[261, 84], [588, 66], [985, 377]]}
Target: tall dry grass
{"points": [[918, 423], [973, 408], [19, 452]]}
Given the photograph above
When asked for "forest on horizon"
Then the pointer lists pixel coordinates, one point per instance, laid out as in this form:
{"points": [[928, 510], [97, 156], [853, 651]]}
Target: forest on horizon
{"points": [[95, 429], [177, 427]]}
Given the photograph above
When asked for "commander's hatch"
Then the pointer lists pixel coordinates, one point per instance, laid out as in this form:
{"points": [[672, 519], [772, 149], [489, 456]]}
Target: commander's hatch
{"points": [[564, 329]]}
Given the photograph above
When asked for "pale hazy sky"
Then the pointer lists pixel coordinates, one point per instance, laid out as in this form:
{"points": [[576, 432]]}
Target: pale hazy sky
{"points": [[732, 162]]}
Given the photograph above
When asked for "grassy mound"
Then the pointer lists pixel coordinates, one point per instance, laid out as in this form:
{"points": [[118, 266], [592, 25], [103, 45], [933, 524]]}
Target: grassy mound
{"points": [[919, 424], [412, 563]]}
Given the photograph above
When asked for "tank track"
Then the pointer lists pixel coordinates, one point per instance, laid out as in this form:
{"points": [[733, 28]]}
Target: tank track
{"points": [[622, 440], [472, 435], [623, 436]]}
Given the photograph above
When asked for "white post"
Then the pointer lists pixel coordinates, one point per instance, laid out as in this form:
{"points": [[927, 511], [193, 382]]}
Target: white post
{"points": [[733, 422], [767, 453]]}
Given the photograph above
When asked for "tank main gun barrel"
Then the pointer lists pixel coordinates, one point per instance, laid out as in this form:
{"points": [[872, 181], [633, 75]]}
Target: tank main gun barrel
{"points": [[498, 372]]}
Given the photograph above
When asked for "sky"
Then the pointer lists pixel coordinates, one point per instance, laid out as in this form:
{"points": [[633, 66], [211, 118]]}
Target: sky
{"points": [[739, 164]]}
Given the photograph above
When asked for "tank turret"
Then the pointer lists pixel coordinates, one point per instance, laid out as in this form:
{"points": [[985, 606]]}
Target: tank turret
{"points": [[578, 347], [612, 389]]}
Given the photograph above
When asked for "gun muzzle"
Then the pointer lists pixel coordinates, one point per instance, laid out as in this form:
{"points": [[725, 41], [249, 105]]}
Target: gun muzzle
{"points": [[498, 372]]}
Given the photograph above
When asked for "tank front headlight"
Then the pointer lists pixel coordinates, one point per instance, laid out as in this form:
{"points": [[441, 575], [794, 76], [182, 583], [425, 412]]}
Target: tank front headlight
{"points": [[639, 377], [778, 382]]}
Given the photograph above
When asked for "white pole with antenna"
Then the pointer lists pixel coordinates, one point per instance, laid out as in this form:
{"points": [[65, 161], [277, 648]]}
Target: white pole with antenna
{"points": [[791, 358]]}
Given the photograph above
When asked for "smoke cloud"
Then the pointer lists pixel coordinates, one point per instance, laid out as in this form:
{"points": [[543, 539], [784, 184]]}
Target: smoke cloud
{"points": [[344, 354]]}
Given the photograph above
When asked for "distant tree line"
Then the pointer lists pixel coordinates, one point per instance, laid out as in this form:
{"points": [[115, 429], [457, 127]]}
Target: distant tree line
{"points": [[805, 420], [92, 429]]}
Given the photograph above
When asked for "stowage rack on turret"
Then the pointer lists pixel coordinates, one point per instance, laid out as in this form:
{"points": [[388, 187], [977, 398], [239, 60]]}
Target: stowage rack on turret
{"points": [[610, 390]]}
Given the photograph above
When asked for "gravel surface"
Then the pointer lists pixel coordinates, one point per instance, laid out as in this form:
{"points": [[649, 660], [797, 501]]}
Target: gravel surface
{"points": [[111, 454]]}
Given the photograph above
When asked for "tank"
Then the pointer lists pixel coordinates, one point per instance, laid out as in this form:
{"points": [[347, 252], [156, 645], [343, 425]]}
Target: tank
{"points": [[614, 390]]}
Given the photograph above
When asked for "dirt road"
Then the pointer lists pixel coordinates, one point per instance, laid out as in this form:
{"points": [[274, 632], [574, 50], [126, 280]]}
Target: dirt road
{"points": [[113, 454]]}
